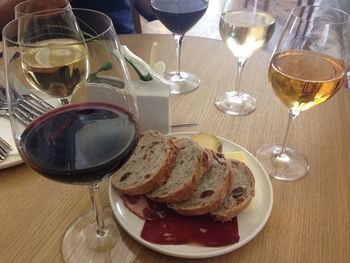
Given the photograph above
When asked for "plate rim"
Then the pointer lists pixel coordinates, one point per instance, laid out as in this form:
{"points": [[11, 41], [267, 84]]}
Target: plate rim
{"points": [[212, 251], [14, 157]]}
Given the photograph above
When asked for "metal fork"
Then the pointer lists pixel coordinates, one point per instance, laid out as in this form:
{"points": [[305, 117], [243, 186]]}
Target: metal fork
{"points": [[5, 149], [29, 106]]}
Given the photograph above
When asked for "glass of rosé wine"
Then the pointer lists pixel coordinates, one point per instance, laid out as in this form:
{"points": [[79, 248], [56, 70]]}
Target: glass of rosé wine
{"points": [[307, 68]]}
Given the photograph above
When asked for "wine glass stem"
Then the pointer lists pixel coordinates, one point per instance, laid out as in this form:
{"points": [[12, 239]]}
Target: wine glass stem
{"points": [[293, 115], [240, 65], [96, 202], [178, 39]]}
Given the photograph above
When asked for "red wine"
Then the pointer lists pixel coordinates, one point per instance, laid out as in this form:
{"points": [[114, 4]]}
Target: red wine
{"points": [[79, 143], [179, 15]]}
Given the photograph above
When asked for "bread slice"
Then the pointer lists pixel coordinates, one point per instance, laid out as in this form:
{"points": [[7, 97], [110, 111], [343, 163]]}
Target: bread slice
{"points": [[148, 167], [211, 190], [243, 191], [191, 162]]}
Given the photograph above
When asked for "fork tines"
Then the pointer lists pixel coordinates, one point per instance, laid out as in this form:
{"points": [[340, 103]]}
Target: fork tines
{"points": [[38, 102], [5, 148], [29, 106]]}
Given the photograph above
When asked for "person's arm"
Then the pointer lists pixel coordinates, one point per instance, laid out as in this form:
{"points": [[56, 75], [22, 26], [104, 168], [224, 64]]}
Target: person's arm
{"points": [[7, 12]]}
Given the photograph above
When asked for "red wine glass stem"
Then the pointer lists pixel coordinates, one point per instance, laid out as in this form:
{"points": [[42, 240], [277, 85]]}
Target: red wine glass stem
{"points": [[96, 202], [178, 39]]}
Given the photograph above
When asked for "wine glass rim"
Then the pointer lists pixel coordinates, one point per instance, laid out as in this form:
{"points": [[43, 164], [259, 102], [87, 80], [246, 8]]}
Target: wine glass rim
{"points": [[345, 14], [23, 3], [55, 11]]}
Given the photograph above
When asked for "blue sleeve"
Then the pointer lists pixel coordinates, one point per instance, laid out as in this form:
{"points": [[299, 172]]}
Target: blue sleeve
{"points": [[118, 10]]}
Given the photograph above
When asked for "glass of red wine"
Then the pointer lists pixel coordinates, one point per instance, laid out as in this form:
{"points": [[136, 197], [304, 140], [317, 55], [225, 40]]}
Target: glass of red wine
{"points": [[85, 141], [179, 16]]}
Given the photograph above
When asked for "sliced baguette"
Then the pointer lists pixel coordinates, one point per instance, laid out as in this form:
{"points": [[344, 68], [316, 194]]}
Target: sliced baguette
{"points": [[243, 191], [211, 190], [191, 162], [148, 167]]}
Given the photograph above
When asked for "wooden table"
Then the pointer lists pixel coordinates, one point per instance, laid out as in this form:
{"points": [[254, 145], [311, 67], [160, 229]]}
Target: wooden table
{"points": [[310, 219]]}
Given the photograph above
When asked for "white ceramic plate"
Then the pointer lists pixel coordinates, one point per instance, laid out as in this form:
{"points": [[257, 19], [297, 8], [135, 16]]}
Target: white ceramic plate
{"points": [[250, 221], [5, 132]]}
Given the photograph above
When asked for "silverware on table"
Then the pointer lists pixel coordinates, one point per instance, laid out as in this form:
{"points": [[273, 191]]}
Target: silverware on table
{"points": [[28, 106], [5, 149], [183, 125]]}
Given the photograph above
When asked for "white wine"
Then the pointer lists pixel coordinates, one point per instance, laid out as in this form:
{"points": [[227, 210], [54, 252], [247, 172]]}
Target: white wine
{"points": [[245, 32], [303, 79], [55, 66]]}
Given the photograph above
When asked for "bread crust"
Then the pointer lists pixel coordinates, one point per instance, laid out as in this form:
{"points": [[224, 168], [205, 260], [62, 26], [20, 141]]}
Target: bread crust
{"points": [[155, 179], [185, 192], [219, 195], [236, 202]]}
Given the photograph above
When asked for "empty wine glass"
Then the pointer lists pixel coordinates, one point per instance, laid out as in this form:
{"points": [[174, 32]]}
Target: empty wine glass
{"points": [[83, 142], [179, 16], [245, 27], [307, 68]]}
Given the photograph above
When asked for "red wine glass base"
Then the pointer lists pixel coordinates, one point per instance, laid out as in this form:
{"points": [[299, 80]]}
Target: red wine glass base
{"points": [[81, 243], [183, 83]]}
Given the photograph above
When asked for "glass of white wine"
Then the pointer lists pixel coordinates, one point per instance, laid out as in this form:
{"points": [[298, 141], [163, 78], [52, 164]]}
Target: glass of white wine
{"points": [[53, 52], [307, 68], [245, 27]]}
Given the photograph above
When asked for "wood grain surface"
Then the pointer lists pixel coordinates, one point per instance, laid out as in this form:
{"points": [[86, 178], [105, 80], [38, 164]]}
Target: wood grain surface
{"points": [[310, 219]]}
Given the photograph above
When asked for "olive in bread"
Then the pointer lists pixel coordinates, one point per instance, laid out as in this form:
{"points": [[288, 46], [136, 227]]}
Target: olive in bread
{"points": [[148, 167], [243, 191]]}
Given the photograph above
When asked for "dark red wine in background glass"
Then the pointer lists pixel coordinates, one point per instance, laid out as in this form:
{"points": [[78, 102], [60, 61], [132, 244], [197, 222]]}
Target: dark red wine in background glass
{"points": [[80, 143], [179, 15]]}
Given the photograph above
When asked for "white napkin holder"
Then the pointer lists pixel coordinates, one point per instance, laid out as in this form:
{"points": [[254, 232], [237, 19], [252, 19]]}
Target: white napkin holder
{"points": [[152, 91], [153, 99]]}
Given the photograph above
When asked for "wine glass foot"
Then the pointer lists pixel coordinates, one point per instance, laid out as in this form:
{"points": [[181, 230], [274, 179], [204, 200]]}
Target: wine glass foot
{"points": [[234, 103], [81, 243], [292, 165], [183, 83]]}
